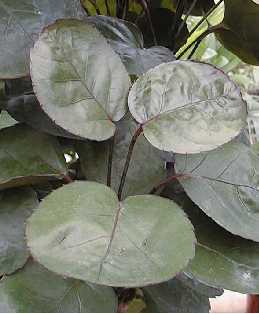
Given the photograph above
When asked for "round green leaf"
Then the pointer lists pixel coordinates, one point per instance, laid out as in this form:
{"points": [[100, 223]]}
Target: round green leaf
{"points": [[35, 290], [28, 157], [222, 259], [224, 184], [82, 231], [127, 41], [142, 176], [16, 206], [79, 80], [199, 111], [20, 24]]}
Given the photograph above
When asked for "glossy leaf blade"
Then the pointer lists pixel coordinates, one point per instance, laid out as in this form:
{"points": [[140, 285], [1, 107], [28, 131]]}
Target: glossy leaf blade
{"points": [[224, 184], [34, 290], [20, 24], [79, 81], [16, 206], [222, 259], [28, 157], [199, 111], [82, 231]]}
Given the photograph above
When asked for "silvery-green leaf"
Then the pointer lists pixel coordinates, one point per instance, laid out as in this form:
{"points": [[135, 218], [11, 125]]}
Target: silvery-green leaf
{"points": [[146, 168], [224, 184], [78, 79], [82, 231], [16, 206], [187, 107], [34, 289], [20, 24], [28, 156]]}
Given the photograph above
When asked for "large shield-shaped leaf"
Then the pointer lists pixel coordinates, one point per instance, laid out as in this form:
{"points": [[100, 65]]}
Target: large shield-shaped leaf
{"points": [[82, 231], [79, 80], [179, 295], [239, 30], [146, 169], [127, 41], [199, 111], [28, 157], [224, 184], [20, 24], [35, 290], [16, 206]]}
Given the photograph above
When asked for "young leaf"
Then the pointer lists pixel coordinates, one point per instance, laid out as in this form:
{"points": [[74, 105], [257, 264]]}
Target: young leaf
{"points": [[82, 231], [28, 157], [239, 30], [20, 24], [179, 295], [15, 207], [222, 259], [79, 81], [35, 290], [224, 184], [127, 41], [146, 169], [187, 107]]}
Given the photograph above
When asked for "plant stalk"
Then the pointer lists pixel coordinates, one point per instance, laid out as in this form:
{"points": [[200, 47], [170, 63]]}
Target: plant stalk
{"points": [[168, 180], [128, 159], [110, 159]]}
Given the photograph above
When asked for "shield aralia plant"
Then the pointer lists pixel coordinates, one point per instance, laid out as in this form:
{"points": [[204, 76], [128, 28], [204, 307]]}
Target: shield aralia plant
{"points": [[156, 206]]}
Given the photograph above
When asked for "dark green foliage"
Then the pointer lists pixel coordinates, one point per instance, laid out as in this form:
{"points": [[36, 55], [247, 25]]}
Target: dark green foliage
{"points": [[96, 116]]}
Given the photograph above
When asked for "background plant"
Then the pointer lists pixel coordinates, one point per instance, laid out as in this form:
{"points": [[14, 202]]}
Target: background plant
{"points": [[128, 179]]}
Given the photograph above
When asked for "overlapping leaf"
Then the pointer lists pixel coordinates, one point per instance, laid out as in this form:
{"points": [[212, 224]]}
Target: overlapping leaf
{"points": [[20, 24], [187, 107], [35, 290], [224, 184], [146, 169], [79, 81], [127, 41], [28, 156], [239, 30], [16, 206], [178, 295], [26, 108], [82, 231]]}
